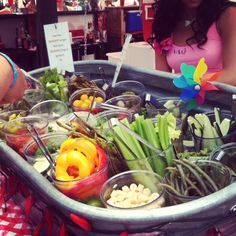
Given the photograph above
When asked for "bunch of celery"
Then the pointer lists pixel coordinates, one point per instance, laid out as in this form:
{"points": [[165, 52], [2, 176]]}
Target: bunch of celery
{"points": [[210, 132], [150, 139]]}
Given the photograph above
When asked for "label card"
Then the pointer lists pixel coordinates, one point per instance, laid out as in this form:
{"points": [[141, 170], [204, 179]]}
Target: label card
{"points": [[59, 47]]}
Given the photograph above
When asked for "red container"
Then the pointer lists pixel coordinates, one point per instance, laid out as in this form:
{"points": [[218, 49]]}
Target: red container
{"points": [[147, 18]]}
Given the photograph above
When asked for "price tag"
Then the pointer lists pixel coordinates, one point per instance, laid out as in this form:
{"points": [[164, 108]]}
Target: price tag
{"points": [[59, 47]]}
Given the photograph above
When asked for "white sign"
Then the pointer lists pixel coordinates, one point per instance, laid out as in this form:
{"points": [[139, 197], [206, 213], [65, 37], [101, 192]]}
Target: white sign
{"points": [[59, 47]]}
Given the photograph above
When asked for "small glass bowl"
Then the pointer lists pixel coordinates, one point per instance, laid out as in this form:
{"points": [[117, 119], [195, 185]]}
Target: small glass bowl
{"points": [[85, 188], [131, 102], [16, 133], [53, 142], [212, 144], [50, 109], [82, 114], [172, 104], [148, 179], [9, 115], [219, 173], [89, 92], [102, 119], [34, 96], [130, 87], [226, 154]]}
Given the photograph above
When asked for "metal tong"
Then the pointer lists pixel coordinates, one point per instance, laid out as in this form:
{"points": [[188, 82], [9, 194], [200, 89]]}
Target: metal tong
{"points": [[36, 137], [106, 106]]}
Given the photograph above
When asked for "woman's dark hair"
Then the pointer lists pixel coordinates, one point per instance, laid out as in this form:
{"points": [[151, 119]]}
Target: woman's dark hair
{"points": [[167, 13]]}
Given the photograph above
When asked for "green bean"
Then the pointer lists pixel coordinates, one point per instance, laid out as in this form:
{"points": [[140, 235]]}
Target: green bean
{"points": [[192, 184], [207, 177], [170, 188], [182, 175], [198, 178]]}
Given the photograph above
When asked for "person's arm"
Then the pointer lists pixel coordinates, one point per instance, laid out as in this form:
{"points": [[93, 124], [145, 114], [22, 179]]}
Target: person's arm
{"points": [[161, 63], [227, 30], [10, 91]]}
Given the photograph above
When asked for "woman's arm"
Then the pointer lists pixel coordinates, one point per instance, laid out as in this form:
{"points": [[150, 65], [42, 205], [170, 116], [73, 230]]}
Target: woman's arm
{"points": [[10, 93], [227, 30], [161, 63]]}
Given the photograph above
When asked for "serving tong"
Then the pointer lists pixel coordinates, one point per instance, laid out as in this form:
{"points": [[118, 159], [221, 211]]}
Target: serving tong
{"points": [[43, 148], [106, 106]]}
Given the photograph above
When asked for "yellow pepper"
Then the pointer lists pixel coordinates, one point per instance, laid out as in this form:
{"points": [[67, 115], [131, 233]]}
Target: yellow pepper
{"points": [[72, 165], [86, 147]]}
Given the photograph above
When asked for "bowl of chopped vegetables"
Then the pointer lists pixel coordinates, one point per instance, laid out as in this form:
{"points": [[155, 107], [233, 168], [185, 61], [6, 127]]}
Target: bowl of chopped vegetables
{"points": [[83, 99], [136, 189], [34, 96], [131, 102], [189, 180], [211, 130], [34, 154], [81, 169], [17, 133]]}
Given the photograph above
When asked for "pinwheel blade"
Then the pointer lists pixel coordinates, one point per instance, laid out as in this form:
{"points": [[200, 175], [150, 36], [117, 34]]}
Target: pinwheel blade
{"points": [[188, 94], [201, 69], [180, 82], [187, 71]]}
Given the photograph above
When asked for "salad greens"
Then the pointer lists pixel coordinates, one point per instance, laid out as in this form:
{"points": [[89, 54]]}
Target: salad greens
{"points": [[55, 85]]}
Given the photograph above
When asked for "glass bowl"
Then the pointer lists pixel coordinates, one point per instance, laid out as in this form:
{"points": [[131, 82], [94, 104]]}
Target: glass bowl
{"points": [[50, 109], [219, 173], [212, 144], [102, 119], [10, 115], [226, 154], [34, 155], [82, 114], [16, 133], [115, 194], [129, 87], [34, 96], [131, 102], [86, 188], [81, 100], [172, 104]]}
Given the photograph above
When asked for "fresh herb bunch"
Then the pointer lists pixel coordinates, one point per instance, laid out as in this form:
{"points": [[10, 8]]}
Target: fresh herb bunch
{"points": [[55, 85]]}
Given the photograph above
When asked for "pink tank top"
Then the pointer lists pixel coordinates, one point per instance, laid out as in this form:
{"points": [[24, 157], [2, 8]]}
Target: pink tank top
{"points": [[211, 51]]}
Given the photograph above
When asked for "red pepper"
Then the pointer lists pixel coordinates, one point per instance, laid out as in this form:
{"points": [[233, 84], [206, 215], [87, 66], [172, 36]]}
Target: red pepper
{"points": [[102, 157], [83, 223]]}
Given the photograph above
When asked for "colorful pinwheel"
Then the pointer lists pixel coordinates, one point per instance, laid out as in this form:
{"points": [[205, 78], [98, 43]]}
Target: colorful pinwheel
{"points": [[194, 83]]}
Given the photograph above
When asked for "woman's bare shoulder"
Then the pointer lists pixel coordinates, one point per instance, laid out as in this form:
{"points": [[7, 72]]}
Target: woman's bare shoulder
{"points": [[227, 19]]}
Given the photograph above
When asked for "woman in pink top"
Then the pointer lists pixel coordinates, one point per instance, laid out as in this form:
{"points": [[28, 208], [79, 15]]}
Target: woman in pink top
{"points": [[187, 30]]}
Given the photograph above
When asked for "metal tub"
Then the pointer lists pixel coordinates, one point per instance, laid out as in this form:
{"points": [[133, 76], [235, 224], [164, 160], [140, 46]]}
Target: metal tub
{"points": [[185, 219]]}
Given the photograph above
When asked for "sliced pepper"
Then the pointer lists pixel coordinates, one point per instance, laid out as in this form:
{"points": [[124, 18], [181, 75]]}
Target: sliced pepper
{"points": [[72, 165]]}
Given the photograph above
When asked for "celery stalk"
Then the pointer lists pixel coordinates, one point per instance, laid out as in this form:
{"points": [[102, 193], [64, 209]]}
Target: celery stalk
{"points": [[150, 135], [139, 130]]}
